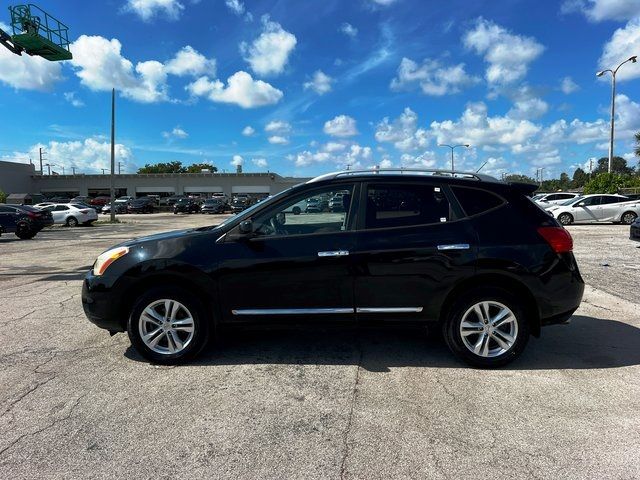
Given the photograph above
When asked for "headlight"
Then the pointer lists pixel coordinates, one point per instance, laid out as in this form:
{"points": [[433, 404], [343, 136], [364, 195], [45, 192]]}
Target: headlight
{"points": [[107, 258]]}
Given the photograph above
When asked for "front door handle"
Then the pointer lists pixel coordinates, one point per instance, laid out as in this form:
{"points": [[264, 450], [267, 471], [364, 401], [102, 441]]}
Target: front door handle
{"points": [[334, 253], [454, 246]]}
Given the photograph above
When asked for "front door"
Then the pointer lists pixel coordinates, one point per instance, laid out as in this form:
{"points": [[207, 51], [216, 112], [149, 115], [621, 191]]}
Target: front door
{"points": [[410, 250], [587, 210], [294, 266]]}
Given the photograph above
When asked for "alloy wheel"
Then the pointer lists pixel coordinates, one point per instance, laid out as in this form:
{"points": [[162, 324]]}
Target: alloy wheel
{"points": [[166, 326], [489, 329], [628, 218]]}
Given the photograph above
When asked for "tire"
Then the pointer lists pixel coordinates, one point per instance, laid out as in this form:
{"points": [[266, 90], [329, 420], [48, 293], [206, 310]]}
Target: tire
{"points": [[296, 210], [188, 307], [72, 222], [565, 219], [492, 353], [24, 231], [628, 217]]}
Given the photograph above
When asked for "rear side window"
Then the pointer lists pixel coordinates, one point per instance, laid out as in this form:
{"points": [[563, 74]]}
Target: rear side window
{"points": [[405, 205], [474, 201]]}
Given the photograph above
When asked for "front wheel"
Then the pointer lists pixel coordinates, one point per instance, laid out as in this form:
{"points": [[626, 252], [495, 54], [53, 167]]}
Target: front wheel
{"points": [[24, 231], [168, 326], [565, 218], [629, 217], [487, 328]]}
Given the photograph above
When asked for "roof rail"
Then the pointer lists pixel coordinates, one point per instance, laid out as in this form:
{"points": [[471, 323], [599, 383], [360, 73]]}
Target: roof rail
{"points": [[408, 171]]}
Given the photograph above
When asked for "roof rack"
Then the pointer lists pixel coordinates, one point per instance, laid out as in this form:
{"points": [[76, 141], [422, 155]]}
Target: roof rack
{"points": [[407, 171]]}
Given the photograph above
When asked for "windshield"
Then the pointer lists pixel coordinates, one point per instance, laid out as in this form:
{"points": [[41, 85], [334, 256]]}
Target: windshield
{"points": [[572, 200]]}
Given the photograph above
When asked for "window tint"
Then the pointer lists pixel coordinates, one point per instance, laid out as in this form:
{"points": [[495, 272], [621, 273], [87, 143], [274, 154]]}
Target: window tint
{"points": [[474, 201], [591, 201], [405, 205], [553, 197], [60, 208], [79, 207], [320, 211], [563, 196], [6, 209]]}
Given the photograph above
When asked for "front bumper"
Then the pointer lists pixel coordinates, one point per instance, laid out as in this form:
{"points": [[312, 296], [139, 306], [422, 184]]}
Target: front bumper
{"points": [[100, 306]]}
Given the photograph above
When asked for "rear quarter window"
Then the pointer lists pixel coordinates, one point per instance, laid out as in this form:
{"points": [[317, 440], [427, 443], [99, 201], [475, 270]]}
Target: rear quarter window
{"points": [[475, 201]]}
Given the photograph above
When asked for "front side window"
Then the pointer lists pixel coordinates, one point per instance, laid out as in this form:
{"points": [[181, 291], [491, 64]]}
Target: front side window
{"points": [[591, 201], [61, 208], [316, 212], [405, 205]]}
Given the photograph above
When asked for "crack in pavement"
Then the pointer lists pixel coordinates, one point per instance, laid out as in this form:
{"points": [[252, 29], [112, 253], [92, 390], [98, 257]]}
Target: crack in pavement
{"points": [[354, 395]]}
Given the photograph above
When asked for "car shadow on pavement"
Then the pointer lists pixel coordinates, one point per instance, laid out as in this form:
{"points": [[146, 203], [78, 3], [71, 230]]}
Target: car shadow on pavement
{"points": [[587, 343]]}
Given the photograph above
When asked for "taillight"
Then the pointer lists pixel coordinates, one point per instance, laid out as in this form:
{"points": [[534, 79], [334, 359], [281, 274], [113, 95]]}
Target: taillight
{"points": [[84, 211], [558, 238], [32, 214]]}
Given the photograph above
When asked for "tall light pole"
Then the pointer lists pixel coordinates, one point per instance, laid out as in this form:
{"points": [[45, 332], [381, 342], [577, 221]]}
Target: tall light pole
{"points": [[113, 154], [453, 147], [613, 102]]}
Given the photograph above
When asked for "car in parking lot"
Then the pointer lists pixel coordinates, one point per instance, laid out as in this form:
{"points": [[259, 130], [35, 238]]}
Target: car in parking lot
{"points": [[23, 220], [462, 252], [141, 205], [597, 208], [99, 202], [72, 214], [186, 205], [634, 230], [213, 205], [241, 202], [548, 199], [317, 204]]}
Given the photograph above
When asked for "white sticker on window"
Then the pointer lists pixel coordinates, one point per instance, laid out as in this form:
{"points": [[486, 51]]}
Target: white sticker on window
{"points": [[436, 189], [443, 219]]}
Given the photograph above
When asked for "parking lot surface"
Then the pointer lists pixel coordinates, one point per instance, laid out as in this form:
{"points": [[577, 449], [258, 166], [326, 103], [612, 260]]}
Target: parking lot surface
{"points": [[77, 403]]}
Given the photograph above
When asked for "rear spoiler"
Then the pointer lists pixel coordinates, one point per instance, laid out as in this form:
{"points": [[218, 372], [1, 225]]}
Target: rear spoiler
{"points": [[525, 188]]}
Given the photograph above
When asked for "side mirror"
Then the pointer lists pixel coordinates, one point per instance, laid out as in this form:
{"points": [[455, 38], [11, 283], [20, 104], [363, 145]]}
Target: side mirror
{"points": [[579, 204], [246, 227]]}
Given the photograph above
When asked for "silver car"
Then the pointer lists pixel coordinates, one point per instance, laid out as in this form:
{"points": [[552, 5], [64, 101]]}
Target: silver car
{"points": [[597, 208]]}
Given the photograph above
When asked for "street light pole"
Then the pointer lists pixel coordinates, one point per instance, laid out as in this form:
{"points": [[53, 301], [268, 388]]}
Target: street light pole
{"points": [[453, 147], [113, 155], [613, 103]]}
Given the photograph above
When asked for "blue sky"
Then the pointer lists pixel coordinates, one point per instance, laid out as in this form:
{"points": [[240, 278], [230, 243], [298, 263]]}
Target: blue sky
{"points": [[306, 87]]}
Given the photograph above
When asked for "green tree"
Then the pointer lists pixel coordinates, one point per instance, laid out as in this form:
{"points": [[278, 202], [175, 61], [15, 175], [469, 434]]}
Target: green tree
{"points": [[169, 167], [3, 197], [519, 178], [618, 165], [610, 183], [580, 177], [198, 167]]}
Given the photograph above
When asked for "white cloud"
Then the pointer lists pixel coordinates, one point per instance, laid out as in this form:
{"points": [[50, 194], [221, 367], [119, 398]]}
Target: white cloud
{"points": [[73, 100], [26, 72], [269, 53], [248, 131], [320, 83], [177, 132], [260, 162], [237, 160], [333, 147], [599, 10], [189, 61], [403, 132], [277, 126], [507, 54], [348, 29], [568, 86], [89, 155], [241, 90], [236, 6], [432, 77], [341, 126], [526, 104], [278, 140], [353, 155], [147, 9], [624, 43]]}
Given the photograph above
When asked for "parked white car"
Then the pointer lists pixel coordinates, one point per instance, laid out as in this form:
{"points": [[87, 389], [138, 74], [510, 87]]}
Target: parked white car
{"points": [[72, 214], [547, 199], [597, 208]]}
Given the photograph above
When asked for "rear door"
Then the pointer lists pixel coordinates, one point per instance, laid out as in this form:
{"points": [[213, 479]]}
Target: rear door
{"points": [[411, 247], [587, 210]]}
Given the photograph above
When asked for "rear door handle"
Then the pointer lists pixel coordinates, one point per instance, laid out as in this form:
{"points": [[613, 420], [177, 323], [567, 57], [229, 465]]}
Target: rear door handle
{"points": [[334, 253], [454, 246]]}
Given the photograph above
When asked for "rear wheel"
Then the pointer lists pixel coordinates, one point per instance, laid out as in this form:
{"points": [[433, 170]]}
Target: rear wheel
{"points": [[168, 326], [24, 231], [565, 218], [487, 328], [72, 222], [629, 217]]}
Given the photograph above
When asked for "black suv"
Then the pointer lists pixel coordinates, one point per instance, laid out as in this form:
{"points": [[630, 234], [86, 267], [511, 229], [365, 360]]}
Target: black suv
{"points": [[464, 252], [186, 205], [141, 205], [23, 220]]}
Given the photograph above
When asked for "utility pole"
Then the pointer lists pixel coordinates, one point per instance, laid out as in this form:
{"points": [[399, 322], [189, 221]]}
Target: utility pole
{"points": [[119, 165], [48, 165], [62, 166], [590, 168], [113, 153], [41, 159], [73, 169], [103, 170]]}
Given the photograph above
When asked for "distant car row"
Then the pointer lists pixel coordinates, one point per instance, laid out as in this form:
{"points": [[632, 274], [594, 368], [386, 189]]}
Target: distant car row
{"points": [[568, 208], [23, 220]]}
